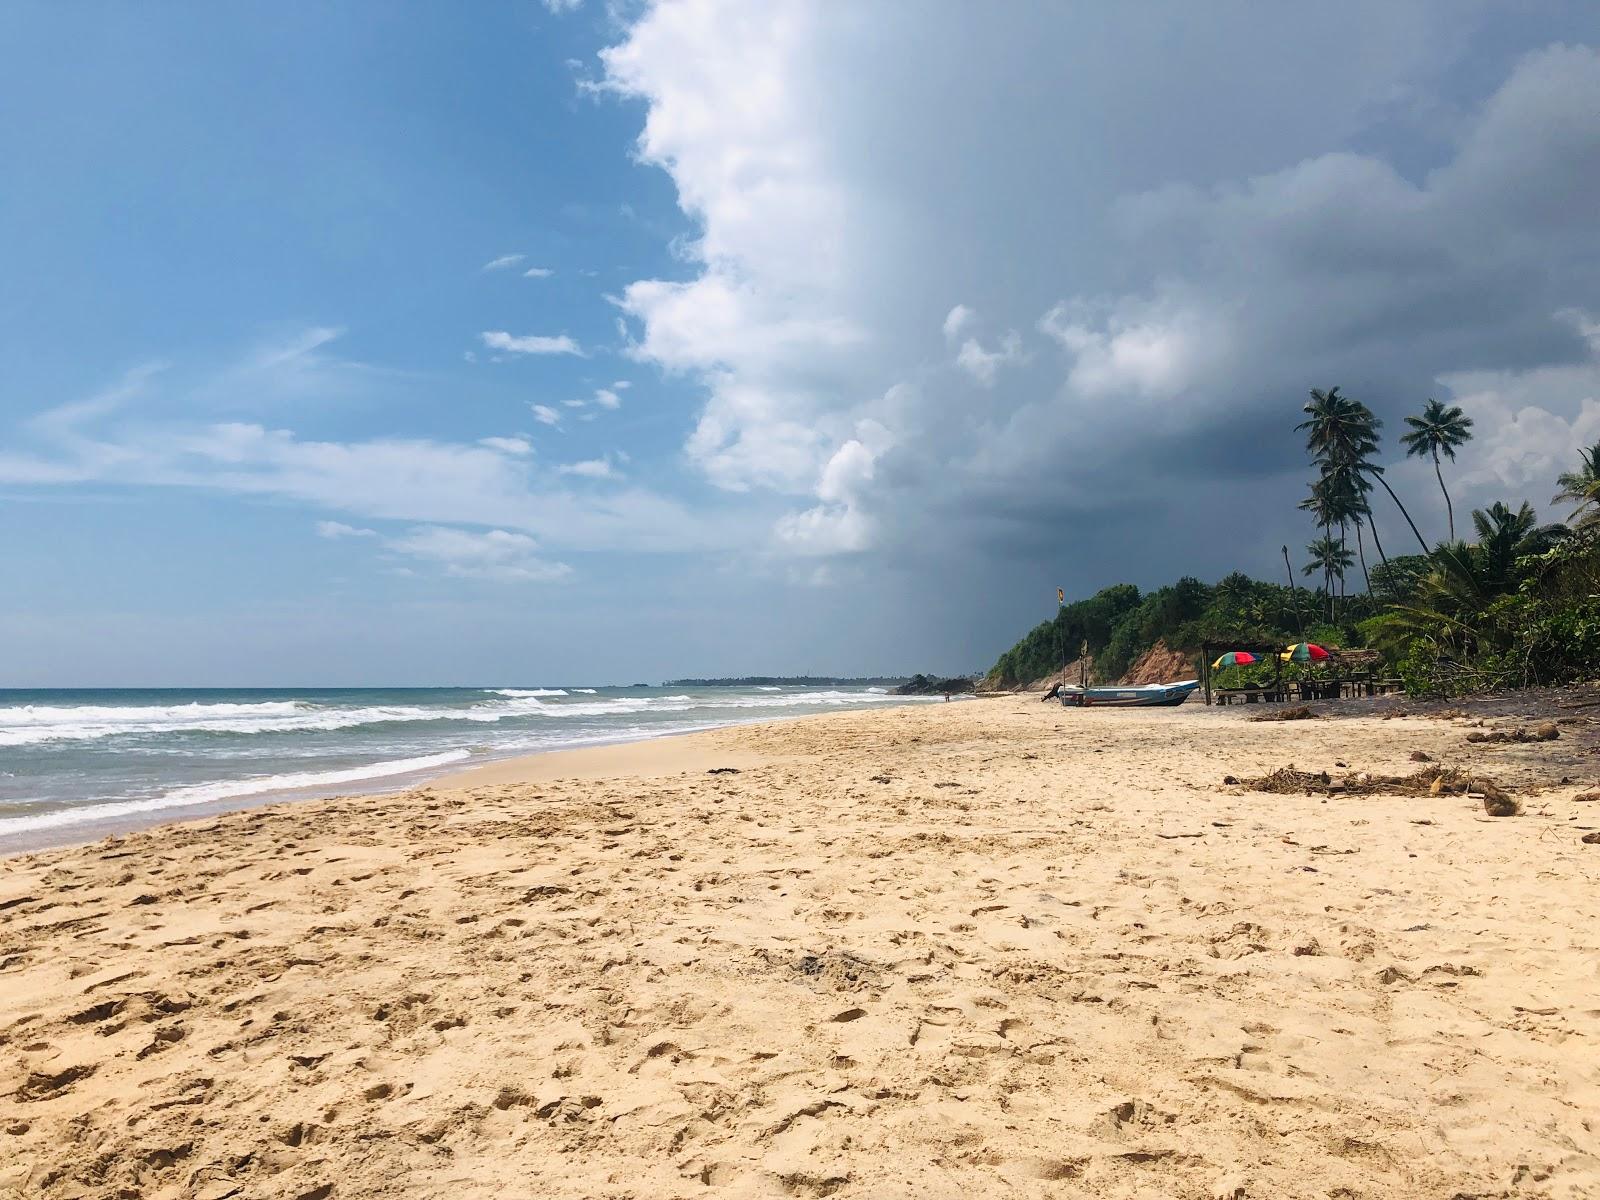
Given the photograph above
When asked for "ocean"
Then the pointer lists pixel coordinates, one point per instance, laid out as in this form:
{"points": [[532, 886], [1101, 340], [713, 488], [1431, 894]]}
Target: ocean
{"points": [[77, 763]]}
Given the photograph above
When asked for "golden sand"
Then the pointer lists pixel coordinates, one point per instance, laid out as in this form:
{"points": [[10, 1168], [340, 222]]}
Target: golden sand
{"points": [[982, 949]]}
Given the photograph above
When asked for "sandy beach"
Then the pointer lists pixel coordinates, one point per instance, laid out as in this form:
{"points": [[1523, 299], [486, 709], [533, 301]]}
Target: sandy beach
{"points": [[991, 948]]}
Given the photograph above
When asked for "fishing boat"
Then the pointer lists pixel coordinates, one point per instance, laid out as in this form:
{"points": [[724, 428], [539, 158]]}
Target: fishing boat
{"points": [[1154, 695]]}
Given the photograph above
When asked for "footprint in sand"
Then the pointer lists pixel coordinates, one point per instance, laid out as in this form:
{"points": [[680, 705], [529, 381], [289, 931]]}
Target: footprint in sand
{"points": [[164, 1038], [41, 1085]]}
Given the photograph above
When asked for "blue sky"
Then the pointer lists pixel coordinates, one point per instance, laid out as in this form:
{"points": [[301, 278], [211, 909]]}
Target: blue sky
{"points": [[418, 344]]}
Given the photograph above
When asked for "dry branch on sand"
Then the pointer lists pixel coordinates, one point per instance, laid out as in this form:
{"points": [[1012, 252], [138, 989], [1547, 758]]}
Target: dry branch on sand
{"points": [[1430, 781]]}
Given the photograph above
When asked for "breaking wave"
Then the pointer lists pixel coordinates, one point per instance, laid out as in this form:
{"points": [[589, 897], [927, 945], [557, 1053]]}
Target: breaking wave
{"points": [[35, 724], [205, 793]]}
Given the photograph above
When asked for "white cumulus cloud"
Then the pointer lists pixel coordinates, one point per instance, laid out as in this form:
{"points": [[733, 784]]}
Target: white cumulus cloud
{"points": [[593, 468], [142, 432], [498, 554], [531, 344], [334, 530], [984, 365], [957, 320]]}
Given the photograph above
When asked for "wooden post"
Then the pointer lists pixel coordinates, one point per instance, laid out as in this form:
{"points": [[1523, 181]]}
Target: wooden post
{"points": [[1061, 636], [1295, 595]]}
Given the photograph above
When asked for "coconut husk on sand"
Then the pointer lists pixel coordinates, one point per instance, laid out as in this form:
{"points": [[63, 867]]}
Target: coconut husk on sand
{"points": [[1547, 732]]}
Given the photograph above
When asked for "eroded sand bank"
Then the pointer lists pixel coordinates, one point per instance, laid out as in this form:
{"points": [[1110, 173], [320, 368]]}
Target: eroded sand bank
{"points": [[980, 949]]}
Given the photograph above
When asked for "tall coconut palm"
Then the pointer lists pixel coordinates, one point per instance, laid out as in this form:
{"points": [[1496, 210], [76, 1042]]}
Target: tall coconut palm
{"points": [[1333, 560], [1347, 487], [1358, 519], [1340, 440], [1342, 431], [1342, 436], [1323, 505], [1329, 499], [1581, 488], [1437, 430]]}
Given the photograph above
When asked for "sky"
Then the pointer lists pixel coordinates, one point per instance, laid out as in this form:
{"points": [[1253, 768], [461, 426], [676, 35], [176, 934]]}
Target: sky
{"points": [[372, 344]]}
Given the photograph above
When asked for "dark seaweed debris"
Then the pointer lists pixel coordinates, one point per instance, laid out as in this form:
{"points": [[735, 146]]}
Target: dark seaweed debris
{"points": [[1430, 781]]}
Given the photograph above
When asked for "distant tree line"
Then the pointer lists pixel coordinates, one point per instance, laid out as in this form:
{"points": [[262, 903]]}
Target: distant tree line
{"points": [[1515, 604], [793, 681]]}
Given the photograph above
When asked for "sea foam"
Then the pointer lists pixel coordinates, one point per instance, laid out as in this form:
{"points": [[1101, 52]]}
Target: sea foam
{"points": [[205, 793]]}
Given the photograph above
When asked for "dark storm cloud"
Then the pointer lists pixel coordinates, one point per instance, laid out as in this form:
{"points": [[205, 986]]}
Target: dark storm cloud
{"points": [[1161, 232]]}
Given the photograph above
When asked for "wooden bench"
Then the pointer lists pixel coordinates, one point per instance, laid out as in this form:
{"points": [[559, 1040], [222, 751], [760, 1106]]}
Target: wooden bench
{"points": [[1250, 695]]}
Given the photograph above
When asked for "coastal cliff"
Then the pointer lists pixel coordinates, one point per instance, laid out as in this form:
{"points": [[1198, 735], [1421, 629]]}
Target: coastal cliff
{"points": [[1135, 637], [1159, 664]]}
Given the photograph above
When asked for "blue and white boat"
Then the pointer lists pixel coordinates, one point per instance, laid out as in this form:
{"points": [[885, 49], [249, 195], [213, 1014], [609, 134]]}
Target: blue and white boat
{"points": [[1154, 695]]}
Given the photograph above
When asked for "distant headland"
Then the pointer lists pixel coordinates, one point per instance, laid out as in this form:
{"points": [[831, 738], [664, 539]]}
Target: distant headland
{"points": [[793, 681]]}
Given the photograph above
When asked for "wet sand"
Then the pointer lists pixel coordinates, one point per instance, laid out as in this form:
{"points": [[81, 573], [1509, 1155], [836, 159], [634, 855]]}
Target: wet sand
{"points": [[993, 948]]}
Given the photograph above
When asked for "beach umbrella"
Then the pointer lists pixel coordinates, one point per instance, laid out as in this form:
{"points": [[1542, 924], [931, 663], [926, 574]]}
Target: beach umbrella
{"points": [[1305, 652], [1238, 658]]}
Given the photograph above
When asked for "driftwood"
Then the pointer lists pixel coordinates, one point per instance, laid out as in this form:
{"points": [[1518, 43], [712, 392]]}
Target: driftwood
{"points": [[1430, 781]]}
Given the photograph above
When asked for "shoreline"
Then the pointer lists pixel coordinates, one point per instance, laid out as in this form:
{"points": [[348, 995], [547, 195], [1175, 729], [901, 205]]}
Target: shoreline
{"points": [[946, 951], [89, 829]]}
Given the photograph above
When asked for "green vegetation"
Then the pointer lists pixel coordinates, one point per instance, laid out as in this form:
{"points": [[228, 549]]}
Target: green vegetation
{"points": [[1118, 625], [1517, 605]]}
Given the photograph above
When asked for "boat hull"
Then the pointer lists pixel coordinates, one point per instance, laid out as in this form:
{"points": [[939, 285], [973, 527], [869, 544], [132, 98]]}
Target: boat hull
{"points": [[1158, 695]]}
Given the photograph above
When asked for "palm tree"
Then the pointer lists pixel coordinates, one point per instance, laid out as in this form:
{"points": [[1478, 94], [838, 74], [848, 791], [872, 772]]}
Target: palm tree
{"points": [[1338, 429], [1438, 429], [1332, 559], [1346, 489], [1358, 519], [1501, 534], [1446, 607], [1342, 436], [1341, 431], [1582, 488], [1505, 536], [1323, 505], [1371, 522]]}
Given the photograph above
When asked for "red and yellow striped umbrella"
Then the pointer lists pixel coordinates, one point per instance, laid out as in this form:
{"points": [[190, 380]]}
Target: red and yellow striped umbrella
{"points": [[1235, 658], [1305, 652]]}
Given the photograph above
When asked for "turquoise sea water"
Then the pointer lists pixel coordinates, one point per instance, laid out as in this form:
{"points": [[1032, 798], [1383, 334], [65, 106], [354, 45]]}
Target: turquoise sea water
{"points": [[80, 761]]}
